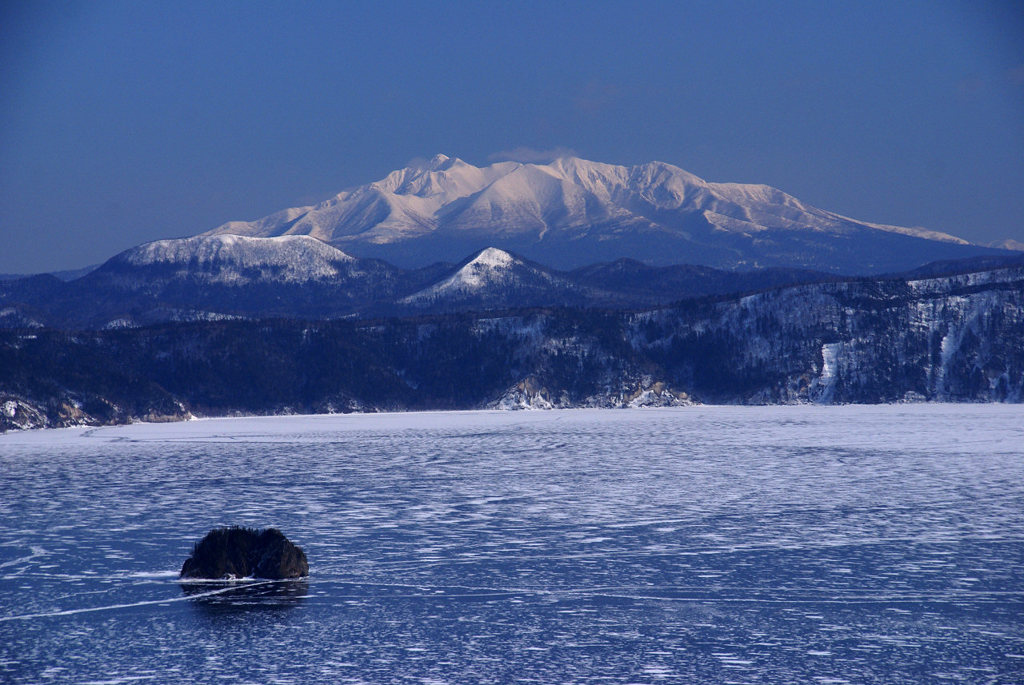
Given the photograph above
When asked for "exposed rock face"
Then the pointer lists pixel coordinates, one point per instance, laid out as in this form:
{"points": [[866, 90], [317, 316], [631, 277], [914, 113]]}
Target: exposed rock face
{"points": [[237, 552], [531, 393]]}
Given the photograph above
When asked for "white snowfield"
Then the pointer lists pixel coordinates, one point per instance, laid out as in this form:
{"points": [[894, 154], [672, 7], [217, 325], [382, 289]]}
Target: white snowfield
{"points": [[852, 544], [569, 195]]}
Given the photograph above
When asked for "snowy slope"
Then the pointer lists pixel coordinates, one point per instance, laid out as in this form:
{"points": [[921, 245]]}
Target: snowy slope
{"points": [[573, 212], [489, 271], [208, 278], [236, 260], [951, 338], [496, 279]]}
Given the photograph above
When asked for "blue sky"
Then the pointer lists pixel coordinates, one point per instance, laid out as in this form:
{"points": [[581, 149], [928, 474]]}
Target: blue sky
{"points": [[123, 122]]}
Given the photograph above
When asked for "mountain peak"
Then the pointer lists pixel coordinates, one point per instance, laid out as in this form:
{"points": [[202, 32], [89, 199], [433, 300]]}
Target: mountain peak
{"points": [[572, 211], [238, 259], [489, 270], [1008, 244], [490, 264], [492, 258], [441, 162], [208, 248]]}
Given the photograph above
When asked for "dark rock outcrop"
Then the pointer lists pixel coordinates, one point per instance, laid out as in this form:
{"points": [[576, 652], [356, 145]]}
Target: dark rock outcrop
{"points": [[238, 552]]}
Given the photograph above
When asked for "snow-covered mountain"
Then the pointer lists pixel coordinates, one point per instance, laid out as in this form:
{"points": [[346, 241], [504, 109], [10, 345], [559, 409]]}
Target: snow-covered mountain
{"points": [[234, 260], [227, 276], [207, 277], [1008, 244], [489, 268], [495, 278], [574, 212]]}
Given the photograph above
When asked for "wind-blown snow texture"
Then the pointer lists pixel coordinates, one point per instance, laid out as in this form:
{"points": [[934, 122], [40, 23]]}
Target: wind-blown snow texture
{"points": [[875, 545], [574, 212]]}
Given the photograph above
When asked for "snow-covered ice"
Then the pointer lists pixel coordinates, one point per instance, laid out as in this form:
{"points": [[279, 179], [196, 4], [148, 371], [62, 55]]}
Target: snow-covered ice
{"points": [[698, 544]]}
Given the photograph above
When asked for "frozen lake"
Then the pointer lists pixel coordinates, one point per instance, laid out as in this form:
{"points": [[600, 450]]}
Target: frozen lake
{"points": [[878, 544]]}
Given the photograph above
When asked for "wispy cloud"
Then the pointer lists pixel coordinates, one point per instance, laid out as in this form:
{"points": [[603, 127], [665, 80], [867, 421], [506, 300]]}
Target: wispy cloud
{"points": [[418, 163], [529, 155]]}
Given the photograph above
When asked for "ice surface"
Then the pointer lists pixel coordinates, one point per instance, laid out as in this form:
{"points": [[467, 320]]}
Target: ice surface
{"points": [[878, 544]]}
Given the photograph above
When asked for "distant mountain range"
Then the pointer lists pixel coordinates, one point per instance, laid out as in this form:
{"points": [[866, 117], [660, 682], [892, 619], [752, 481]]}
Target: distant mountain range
{"points": [[448, 286], [573, 212], [448, 236], [297, 276], [231, 277]]}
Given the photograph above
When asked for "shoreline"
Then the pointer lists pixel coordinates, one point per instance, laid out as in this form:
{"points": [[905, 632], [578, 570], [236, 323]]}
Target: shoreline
{"points": [[279, 425]]}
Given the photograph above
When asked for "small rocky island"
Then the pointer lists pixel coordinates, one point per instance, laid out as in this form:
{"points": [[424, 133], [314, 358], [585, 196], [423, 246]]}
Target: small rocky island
{"points": [[237, 552]]}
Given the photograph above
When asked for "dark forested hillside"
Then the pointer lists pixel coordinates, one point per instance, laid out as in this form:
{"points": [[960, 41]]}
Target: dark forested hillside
{"points": [[952, 338]]}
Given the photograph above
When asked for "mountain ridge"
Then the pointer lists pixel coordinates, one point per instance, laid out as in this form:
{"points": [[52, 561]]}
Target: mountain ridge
{"points": [[287, 258], [225, 277], [572, 212], [949, 339]]}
